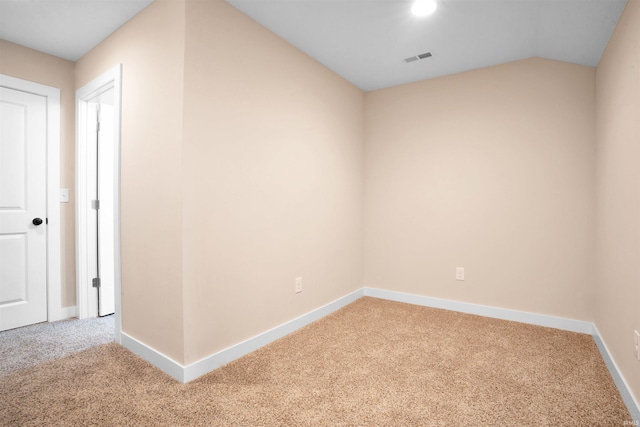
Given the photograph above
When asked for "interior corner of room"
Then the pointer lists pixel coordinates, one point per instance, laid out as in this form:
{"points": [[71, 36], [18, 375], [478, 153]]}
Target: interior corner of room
{"points": [[258, 191]]}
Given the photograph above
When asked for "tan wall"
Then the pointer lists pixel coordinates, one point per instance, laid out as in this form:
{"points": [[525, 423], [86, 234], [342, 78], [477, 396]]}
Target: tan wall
{"points": [[273, 180], [150, 48], [491, 170], [618, 191], [28, 64]]}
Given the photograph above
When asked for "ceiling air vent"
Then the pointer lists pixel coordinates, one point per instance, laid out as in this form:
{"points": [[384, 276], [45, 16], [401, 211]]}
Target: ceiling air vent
{"points": [[418, 57]]}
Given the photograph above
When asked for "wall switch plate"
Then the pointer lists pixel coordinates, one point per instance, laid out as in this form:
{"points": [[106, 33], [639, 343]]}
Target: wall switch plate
{"points": [[636, 340], [64, 195], [298, 285], [459, 273]]}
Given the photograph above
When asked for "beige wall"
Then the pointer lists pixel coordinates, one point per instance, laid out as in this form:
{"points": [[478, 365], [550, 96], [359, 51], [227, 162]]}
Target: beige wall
{"points": [[273, 180], [618, 190], [150, 48], [28, 64], [491, 170], [262, 183]]}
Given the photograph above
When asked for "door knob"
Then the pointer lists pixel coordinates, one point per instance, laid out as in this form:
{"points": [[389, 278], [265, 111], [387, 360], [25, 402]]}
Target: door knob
{"points": [[37, 221]]}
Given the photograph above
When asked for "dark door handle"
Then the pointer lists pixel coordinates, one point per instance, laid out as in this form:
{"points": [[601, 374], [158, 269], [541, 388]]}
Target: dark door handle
{"points": [[37, 221]]}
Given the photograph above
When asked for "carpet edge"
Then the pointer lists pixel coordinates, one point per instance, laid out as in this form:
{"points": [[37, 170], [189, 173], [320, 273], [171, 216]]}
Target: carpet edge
{"points": [[562, 323], [153, 356], [190, 372], [618, 378], [223, 357]]}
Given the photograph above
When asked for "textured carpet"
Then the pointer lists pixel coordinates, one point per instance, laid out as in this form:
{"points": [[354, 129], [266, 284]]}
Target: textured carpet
{"points": [[372, 363], [29, 346]]}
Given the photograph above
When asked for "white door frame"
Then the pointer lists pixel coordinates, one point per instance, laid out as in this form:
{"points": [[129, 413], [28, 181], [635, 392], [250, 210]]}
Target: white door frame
{"points": [[54, 281], [108, 80]]}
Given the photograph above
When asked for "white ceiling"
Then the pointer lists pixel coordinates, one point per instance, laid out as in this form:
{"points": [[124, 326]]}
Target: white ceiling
{"points": [[64, 28], [366, 41]]}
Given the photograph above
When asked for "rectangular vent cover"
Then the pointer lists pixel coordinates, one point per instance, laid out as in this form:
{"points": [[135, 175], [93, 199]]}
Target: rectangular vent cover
{"points": [[418, 57]]}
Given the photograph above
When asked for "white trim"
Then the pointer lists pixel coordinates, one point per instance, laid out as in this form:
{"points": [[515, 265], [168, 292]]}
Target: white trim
{"points": [[221, 358], [483, 310], [194, 370], [190, 372], [54, 281], [522, 317], [69, 312], [157, 359], [110, 79], [618, 378], [81, 215]]}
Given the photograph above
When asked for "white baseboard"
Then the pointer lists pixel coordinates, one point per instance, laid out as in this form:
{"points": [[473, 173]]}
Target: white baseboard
{"points": [[63, 314], [523, 317], [69, 312], [157, 359], [483, 310], [190, 372], [618, 378], [208, 364]]}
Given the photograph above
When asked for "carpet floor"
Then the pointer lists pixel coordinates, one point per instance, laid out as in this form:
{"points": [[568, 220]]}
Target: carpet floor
{"points": [[32, 345], [372, 363]]}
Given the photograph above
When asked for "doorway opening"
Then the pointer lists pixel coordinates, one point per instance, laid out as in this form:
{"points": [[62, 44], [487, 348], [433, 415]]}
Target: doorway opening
{"points": [[98, 198]]}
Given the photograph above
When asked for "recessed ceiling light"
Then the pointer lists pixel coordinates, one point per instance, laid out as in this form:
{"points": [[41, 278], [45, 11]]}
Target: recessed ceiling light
{"points": [[423, 7]]}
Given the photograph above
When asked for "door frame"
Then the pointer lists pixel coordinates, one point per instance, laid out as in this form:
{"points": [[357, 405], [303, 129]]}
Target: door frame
{"points": [[54, 271], [110, 79]]}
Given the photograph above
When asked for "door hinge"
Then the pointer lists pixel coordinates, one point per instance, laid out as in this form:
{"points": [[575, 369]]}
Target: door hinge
{"points": [[96, 282], [95, 204], [98, 127]]}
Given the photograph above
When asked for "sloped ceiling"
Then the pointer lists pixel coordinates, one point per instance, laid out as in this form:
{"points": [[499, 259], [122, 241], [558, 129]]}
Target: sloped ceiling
{"points": [[366, 41], [64, 28]]}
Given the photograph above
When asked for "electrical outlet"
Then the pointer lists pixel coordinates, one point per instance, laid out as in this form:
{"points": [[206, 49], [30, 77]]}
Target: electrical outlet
{"points": [[459, 273], [636, 340], [298, 285]]}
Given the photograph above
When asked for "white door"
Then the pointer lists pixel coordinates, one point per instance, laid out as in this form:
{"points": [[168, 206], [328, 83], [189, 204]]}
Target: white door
{"points": [[106, 230], [23, 208], [100, 216]]}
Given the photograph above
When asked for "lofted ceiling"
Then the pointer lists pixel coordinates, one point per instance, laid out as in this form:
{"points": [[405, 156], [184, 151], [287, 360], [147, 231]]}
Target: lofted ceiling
{"points": [[364, 41], [367, 41], [64, 28]]}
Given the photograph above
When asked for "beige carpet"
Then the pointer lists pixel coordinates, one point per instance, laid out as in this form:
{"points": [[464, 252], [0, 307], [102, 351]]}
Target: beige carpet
{"points": [[373, 363]]}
